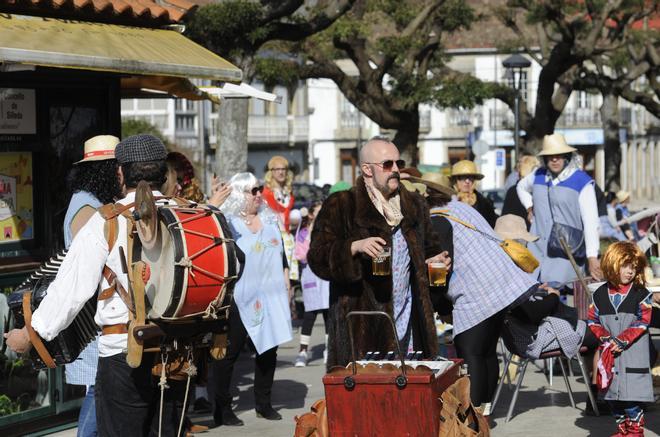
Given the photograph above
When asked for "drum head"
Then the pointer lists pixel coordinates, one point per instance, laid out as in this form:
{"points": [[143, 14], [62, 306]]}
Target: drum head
{"points": [[160, 258]]}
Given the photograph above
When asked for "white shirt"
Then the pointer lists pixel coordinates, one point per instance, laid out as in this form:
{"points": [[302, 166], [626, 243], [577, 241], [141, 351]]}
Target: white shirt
{"points": [[79, 277], [588, 209]]}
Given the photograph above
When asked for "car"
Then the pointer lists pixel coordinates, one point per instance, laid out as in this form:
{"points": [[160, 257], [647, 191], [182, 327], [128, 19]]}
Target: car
{"points": [[495, 195]]}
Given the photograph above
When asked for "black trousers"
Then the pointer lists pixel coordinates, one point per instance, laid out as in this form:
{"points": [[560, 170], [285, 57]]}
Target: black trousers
{"points": [[478, 348], [128, 400], [264, 371], [310, 318]]}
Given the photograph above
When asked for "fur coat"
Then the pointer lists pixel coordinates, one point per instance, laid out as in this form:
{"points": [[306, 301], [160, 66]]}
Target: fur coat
{"points": [[345, 217]]}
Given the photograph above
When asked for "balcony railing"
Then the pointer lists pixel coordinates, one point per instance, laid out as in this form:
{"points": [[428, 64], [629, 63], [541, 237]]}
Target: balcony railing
{"points": [[501, 119], [580, 117], [275, 129]]}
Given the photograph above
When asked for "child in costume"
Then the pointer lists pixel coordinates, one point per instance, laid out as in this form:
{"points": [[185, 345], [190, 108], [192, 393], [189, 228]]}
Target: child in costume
{"points": [[619, 317]]}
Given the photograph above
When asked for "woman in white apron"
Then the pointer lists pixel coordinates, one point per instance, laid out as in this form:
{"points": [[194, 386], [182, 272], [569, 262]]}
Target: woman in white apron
{"points": [[260, 309], [316, 291]]}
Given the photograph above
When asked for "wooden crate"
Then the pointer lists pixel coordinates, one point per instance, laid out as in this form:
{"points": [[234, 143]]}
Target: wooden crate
{"points": [[375, 406]]}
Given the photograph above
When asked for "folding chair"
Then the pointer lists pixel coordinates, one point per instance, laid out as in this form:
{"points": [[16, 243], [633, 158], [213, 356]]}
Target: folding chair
{"points": [[522, 363]]}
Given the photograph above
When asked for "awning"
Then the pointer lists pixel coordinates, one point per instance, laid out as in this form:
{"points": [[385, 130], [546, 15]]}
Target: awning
{"points": [[61, 43], [240, 91]]}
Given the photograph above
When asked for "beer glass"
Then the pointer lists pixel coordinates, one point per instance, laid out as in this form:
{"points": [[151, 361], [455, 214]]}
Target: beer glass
{"points": [[437, 274], [382, 265]]}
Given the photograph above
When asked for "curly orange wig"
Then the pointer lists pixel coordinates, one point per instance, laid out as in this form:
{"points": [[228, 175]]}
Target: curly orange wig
{"points": [[620, 254]]}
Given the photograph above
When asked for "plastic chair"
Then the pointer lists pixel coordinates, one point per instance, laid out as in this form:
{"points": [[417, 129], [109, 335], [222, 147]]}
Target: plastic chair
{"points": [[522, 363]]}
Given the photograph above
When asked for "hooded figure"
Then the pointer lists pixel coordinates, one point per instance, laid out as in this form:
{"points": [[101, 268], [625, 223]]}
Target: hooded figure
{"points": [[560, 195]]}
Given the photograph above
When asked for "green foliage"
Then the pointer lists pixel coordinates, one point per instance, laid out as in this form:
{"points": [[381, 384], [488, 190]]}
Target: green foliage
{"points": [[462, 91], [276, 72], [229, 28], [7, 406], [133, 127]]}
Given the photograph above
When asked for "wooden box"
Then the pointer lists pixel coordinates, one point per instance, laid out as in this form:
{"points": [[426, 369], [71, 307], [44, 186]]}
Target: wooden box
{"points": [[376, 406]]}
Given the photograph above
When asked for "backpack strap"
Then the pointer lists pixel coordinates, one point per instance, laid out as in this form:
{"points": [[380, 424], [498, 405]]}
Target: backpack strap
{"points": [[34, 337], [110, 212]]}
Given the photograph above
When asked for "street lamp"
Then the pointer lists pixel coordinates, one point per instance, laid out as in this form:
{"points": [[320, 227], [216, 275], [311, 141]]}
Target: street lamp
{"points": [[514, 65]]}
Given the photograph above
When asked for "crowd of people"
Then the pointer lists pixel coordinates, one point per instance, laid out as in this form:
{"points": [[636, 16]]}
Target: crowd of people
{"points": [[330, 249]]}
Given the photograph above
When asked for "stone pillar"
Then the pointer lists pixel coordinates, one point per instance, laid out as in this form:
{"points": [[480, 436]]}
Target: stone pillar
{"points": [[624, 167], [600, 166], [232, 149]]}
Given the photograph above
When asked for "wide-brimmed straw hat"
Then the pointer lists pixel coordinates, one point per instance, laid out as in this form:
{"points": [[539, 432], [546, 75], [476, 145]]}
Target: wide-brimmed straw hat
{"points": [[555, 144], [435, 181], [513, 227], [466, 168], [622, 196], [413, 186], [99, 148]]}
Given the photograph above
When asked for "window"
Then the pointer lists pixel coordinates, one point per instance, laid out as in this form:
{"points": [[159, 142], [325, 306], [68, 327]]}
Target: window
{"points": [[583, 100]]}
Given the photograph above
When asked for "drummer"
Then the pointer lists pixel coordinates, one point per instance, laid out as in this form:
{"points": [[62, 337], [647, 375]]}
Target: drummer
{"points": [[126, 398]]}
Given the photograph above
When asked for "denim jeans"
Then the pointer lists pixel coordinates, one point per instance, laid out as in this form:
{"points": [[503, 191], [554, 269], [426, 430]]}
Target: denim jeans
{"points": [[87, 417]]}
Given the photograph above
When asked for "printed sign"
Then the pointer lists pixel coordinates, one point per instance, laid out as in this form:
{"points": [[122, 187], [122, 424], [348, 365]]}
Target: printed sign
{"points": [[500, 159], [16, 204], [17, 111]]}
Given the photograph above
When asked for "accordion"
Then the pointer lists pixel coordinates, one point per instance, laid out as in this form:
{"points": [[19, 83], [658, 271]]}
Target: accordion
{"points": [[68, 344]]}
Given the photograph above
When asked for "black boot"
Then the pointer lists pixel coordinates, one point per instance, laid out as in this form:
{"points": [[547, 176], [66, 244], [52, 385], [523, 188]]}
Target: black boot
{"points": [[226, 417], [266, 411]]}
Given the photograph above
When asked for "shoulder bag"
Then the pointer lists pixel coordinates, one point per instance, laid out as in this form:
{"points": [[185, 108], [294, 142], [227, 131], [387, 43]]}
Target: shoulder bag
{"points": [[573, 237], [520, 255]]}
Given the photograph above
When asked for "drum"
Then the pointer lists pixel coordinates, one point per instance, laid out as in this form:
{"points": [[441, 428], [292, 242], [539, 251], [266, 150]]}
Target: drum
{"points": [[191, 266]]}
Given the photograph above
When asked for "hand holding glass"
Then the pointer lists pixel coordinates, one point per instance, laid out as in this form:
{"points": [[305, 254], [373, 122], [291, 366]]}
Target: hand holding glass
{"points": [[382, 264], [437, 274]]}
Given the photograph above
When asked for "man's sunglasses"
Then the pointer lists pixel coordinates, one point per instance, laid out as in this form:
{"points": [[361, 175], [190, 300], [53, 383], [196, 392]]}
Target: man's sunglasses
{"points": [[388, 164], [256, 190]]}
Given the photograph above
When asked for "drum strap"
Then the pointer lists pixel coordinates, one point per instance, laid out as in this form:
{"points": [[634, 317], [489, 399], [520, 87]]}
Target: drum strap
{"points": [[115, 285], [34, 337]]}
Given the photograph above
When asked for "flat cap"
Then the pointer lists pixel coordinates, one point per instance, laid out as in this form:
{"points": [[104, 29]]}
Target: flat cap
{"points": [[140, 148]]}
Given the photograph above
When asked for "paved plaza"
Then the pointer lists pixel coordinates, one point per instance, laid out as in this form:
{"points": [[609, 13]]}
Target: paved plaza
{"points": [[541, 410]]}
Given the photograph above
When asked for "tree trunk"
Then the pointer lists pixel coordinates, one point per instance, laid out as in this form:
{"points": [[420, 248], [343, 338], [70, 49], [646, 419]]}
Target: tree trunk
{"points": [[231, 153], [609, 115], [406, 139]]}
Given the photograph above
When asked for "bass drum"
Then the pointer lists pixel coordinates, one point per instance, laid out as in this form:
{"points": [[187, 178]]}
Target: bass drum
{"points": [[192, 264]]}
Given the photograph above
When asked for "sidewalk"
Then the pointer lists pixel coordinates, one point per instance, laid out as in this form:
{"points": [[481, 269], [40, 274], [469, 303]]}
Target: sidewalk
{"points": [[541, 410]]}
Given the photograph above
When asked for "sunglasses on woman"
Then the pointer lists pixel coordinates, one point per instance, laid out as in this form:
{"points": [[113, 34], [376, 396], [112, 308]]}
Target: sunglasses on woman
{"points": [[256, 190], [388, 164]]}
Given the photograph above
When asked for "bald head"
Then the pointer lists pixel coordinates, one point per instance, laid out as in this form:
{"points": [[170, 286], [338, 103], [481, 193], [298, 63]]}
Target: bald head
{"points": [[379, 162], [375, 148]]}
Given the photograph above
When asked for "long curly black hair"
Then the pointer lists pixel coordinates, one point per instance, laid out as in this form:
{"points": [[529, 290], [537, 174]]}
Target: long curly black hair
{"points": [[96, 177]]}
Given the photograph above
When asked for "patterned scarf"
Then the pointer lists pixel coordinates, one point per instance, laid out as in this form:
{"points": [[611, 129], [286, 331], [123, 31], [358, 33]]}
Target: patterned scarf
{"points": [[390, 209]]}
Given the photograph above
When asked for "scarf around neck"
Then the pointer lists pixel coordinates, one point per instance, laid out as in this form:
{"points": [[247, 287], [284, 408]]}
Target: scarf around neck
{"points": [[389, 209]]}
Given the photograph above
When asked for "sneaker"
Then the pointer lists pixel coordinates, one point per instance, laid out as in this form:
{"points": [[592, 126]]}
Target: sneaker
{"points": [[301, 359], [486, 411]]}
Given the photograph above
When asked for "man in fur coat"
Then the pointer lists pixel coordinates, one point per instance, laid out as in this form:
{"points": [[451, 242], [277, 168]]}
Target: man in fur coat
{"points": [[351, 229]]}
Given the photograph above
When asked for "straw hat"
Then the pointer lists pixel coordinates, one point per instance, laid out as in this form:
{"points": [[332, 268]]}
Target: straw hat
{"points": [[435, 181], [527, 164], [622, 196], [555, 144], [466, 168], [513, 227], [413, 186], [99, 148]]}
